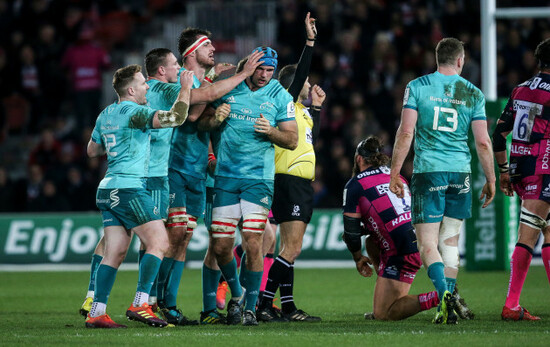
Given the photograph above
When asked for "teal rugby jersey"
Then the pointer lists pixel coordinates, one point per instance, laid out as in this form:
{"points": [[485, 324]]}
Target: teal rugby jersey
{"points": [[241, 151], [189, 152], [160, 96], [446, 106], [123, 129]]}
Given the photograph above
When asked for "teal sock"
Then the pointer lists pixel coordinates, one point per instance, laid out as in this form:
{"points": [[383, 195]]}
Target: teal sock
{"points": [[154, 287], [164, 273], [437, 274], [96, 260], [242, 277], [229, 272], [141, 253], [148, 270], [173, 285], [253, 280], [451, 282], [210, 280], [104, 280]]}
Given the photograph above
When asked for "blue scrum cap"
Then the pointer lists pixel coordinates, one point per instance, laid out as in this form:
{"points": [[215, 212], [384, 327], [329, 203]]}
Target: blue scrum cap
{"points": [[270, 56]]}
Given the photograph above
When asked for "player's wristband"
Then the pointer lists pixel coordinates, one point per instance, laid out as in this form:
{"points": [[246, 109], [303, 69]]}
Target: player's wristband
{"points": [[316, 108], [313, 39], [503, 168]]}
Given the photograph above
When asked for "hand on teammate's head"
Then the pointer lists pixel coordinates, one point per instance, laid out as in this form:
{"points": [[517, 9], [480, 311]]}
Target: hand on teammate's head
{"points": [[317, 95], [253, 62], [186, 79]]}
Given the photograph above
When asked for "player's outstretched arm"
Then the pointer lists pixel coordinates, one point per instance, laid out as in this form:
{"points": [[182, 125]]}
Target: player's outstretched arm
{"points": [[180, 110], [484, 149], [403, 140], [220, 88], [285, 136]]}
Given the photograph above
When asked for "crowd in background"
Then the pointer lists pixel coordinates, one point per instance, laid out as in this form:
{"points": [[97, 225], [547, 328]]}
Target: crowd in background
{"points": [[53, 55]]}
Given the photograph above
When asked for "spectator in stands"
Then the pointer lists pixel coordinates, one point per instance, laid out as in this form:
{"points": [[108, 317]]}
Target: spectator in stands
{"points": [[85, 63]]}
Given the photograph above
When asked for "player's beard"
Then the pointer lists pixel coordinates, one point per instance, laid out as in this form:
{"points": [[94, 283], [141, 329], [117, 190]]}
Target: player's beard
{"points": [[205, 62], [355, 170]]}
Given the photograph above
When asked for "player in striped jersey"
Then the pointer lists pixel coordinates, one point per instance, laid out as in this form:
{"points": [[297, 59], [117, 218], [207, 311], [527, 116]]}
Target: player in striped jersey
{"points": [[526, 116], [391, 244]]}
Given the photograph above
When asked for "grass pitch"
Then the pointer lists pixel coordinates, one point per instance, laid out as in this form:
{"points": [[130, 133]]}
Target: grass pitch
{"points": [[42, 309]]}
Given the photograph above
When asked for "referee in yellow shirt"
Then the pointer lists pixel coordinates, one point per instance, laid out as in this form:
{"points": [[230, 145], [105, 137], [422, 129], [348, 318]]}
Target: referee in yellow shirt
{"points": [[293, 194]]}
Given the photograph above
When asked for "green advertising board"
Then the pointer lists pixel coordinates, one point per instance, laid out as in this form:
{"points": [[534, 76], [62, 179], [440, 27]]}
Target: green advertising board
{"points": [[491, 232], [71, 238]]}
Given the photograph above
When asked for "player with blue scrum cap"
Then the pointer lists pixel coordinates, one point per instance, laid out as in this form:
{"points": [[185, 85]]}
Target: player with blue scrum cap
{"points": [[262, 114]]}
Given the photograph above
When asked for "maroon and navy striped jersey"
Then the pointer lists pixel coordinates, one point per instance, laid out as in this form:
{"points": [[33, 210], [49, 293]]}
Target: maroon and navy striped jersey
{"points": [[527, 116], [384, 215]]}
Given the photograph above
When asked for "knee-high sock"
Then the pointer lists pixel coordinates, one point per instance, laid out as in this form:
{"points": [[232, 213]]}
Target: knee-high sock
{"points": [[210, 279], [268, 261], [546, 258], [286, 289], [96, 260], [519, 266], [163, 276], [148, 270], [428, 300], [252, 280], [141, 253], [277, 273], [173, 285], [229, 272], [104, 280], [437, 274]]}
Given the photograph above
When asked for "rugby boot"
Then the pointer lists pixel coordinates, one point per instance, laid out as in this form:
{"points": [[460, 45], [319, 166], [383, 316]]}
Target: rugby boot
{"points": [[519, 314], [103, 321], [145, 315]]}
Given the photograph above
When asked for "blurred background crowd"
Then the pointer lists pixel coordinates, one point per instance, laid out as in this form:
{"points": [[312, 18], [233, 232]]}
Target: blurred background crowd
{"points": [[57, 58]]}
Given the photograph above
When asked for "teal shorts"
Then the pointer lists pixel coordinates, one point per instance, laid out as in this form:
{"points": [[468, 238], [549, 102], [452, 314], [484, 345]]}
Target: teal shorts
{"points": [[187, 191], [160, 192], [127, 207], [438, 194], [230, 191]]}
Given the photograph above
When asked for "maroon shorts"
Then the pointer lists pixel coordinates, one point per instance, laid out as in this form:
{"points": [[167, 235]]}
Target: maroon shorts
{"points": [[401, 268], [535, 187]]}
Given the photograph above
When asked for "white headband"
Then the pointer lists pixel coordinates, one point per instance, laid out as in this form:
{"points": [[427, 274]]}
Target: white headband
{"points": [[200, 41]]}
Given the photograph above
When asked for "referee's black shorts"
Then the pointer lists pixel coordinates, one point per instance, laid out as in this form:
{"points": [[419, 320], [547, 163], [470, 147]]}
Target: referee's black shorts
{"points": [[292, 199]]}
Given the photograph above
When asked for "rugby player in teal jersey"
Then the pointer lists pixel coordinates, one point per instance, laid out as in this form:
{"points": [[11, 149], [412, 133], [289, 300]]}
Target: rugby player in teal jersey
{"points": [[438, 110], [262, 114], [122, 132], [187, 152]]}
